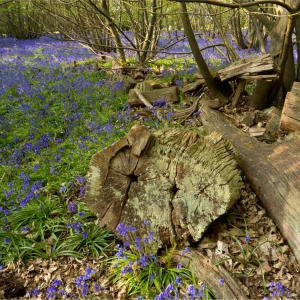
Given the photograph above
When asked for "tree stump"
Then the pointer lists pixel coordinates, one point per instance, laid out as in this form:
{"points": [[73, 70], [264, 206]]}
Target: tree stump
{"points": [[176, 179]]}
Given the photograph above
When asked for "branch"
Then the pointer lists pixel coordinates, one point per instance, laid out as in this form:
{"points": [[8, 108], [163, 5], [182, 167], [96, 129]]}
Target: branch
{"points": [[231, 5]]}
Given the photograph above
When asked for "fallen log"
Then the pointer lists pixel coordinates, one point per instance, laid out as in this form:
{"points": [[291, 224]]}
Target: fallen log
{"points": [[272, 170], [170, 94]]}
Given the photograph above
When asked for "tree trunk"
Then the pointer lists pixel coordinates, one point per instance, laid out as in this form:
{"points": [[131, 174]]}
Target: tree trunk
{"points": [[261, 41], [228, 45], [272, 170], [209, 79]]}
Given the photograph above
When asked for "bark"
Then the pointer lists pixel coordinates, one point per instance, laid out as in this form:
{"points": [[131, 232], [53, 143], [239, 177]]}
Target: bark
{"points": [[290, 117], [272, 170], [298, 48], [209, 79]]}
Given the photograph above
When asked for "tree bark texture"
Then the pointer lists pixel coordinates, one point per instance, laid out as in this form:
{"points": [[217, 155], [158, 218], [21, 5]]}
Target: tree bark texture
{"points": [[290, 117], [272, 170], [174, 178]]}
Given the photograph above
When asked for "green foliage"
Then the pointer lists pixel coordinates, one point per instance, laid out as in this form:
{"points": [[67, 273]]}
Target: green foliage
{"points": [[143, 272]]}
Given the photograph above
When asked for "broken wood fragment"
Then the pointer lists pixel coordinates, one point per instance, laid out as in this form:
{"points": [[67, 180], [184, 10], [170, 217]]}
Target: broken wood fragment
{"points": [[201, 266], [238, 92], [257, 67]]}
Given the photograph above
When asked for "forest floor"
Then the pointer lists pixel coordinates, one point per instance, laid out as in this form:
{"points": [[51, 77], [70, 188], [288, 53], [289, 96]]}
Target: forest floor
{"points": [[269, 258]]}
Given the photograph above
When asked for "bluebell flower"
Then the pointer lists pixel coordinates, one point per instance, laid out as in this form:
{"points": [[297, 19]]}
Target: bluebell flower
{"points": [[221, 281], [80, 179], [178, 281], [81, 214], [89, 271], [192, 291], [278, 289], [150, 236], [97, 287], [152, 276], [56, 283], [7, 240], [82, 191], [126, 270], [72, 207], [26, 229], [146, 222], [179, 266], [184, 251], [51, 292], [63, 189], [247, 238]]}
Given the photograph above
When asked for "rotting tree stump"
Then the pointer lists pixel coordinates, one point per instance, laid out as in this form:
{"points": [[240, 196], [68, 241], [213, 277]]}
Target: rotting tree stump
{"points": [[176, 179], [273, 171]]}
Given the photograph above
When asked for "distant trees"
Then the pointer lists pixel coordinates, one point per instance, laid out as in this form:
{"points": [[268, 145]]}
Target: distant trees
{"points": [[19, 19]]}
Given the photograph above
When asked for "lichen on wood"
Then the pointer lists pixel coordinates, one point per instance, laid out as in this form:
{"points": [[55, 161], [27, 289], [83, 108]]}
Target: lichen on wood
{"points": [[176, 179]]}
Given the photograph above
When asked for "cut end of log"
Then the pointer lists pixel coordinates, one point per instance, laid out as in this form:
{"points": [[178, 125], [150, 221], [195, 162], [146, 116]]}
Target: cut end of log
{"points": [[176, 179]]}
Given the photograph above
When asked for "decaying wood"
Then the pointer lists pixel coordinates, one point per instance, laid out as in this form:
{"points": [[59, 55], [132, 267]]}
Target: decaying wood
{"points": [[202, 268], [170, 94], [258, 67], [290, 117], [238, 92], [272, 170], [142, 98], [175, 178]]}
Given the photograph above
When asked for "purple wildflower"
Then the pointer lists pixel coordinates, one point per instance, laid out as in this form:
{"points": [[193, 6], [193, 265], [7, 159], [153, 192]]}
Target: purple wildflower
{"points": [[72, 207]]}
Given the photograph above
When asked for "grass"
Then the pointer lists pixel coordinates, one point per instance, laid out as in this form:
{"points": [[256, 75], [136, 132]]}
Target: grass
{"points": [[54, 117]]}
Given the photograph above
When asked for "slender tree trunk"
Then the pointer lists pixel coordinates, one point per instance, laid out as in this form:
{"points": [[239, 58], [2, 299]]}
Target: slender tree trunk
{"points": [[115, 34], [209, 79], [261, 42], [228, 45]]}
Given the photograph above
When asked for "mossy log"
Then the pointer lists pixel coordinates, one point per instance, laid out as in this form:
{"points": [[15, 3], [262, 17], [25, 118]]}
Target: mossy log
{"points": [[178, 180], [273, 171]]}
